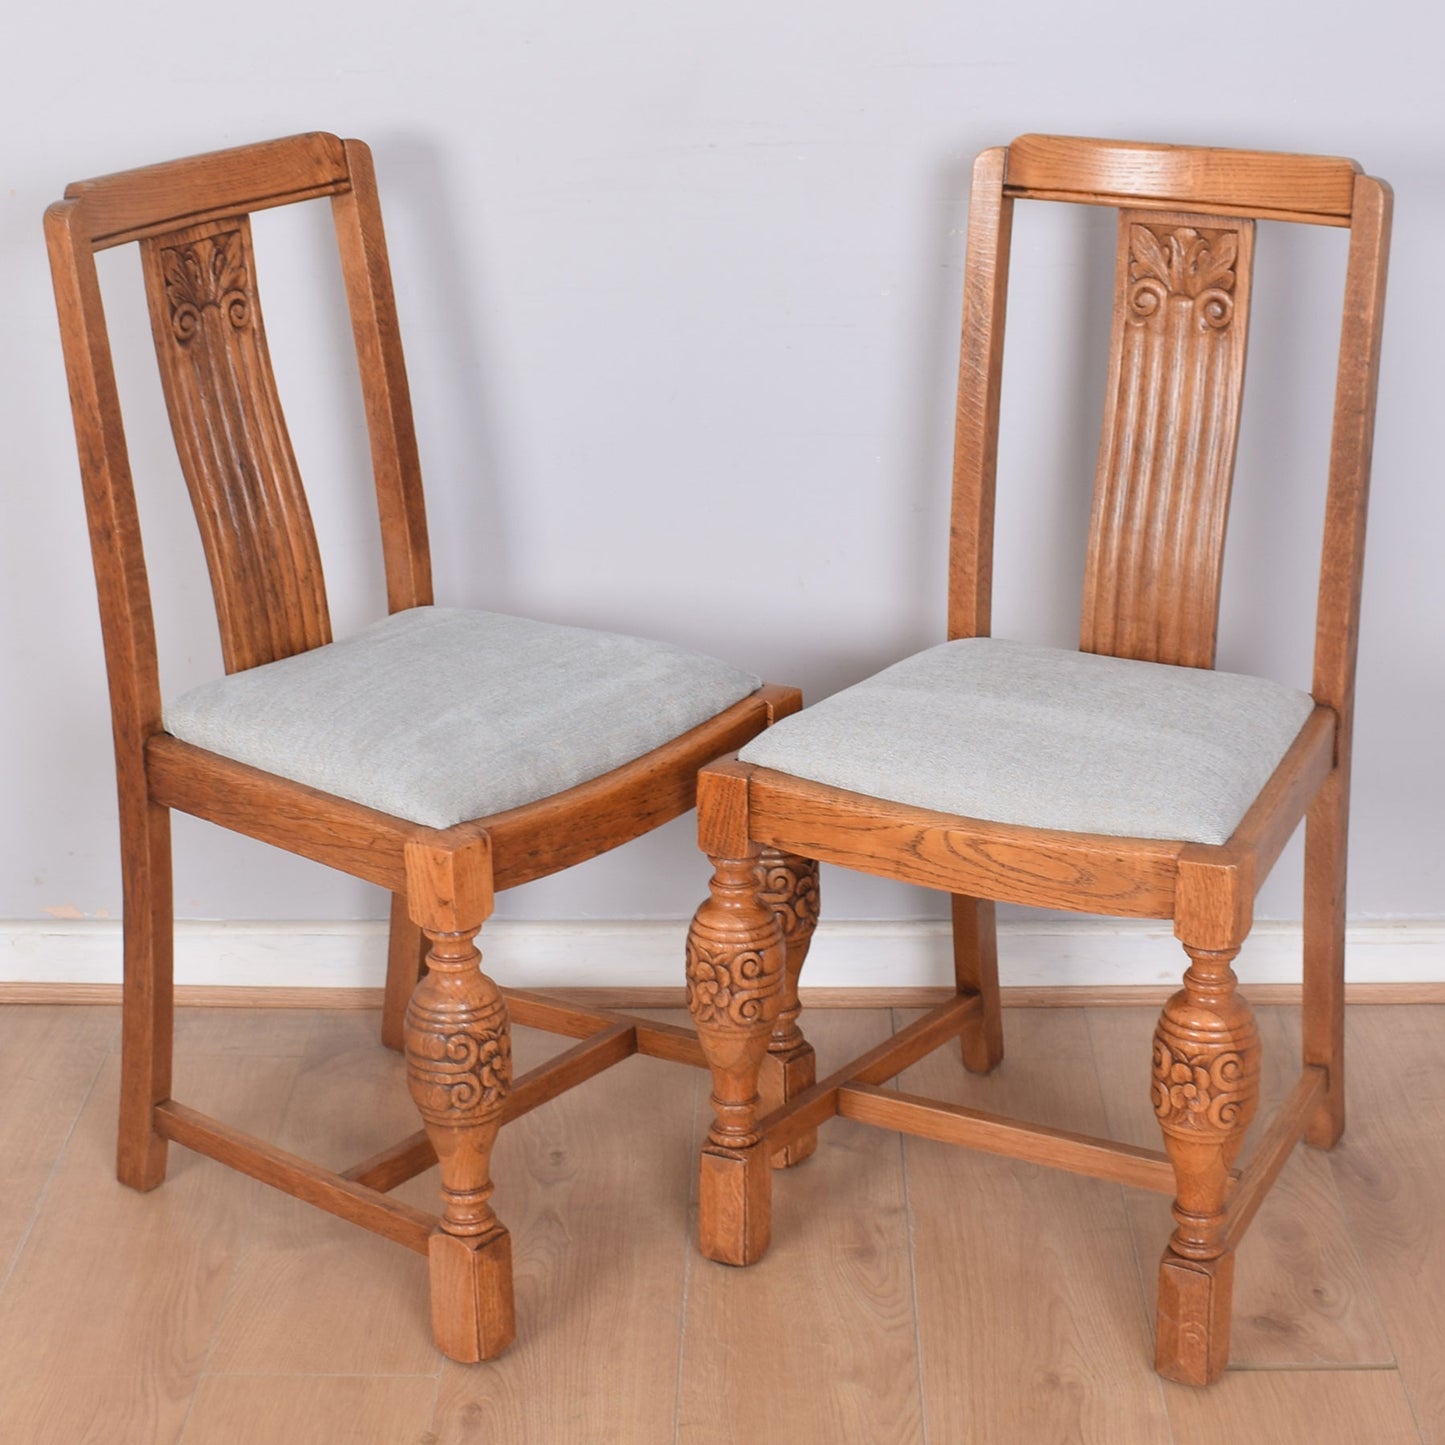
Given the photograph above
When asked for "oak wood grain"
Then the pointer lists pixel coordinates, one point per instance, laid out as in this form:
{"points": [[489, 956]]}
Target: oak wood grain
{"points": [[138, 203], [297, 1177], [980, 381], [1126, 877], [391, 430], [1171, 422], [889, 1056], [1337, 635], [1319, 188], [234, 448], [993, 1134]]}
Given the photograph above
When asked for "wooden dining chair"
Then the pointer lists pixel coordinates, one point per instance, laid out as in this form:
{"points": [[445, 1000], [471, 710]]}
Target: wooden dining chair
{"points": [[443, 754], [1127, 778]]}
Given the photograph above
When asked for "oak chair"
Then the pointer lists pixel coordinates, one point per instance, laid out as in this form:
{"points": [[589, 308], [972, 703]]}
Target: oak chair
{"points": [[1128, 778], [441, 754]]}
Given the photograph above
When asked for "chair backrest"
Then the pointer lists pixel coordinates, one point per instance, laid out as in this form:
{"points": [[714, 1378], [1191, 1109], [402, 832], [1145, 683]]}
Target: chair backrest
{"points": [[190, 219], [1183, 271]]}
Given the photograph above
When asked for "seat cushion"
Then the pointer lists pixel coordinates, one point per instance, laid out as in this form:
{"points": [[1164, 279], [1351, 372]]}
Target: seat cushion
{"points": [[438, 715], [1049, 739]]}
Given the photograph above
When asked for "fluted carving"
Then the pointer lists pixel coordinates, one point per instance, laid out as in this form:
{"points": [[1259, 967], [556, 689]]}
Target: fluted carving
{"points": [[459, 1070], [1166, 459], [232, 442]]}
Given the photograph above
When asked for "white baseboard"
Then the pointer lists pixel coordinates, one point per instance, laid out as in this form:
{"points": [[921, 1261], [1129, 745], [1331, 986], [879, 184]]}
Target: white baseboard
{"points": [[1082, 952]]}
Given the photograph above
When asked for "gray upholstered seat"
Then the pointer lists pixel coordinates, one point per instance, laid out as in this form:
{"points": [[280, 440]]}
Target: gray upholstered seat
{"points": [[438, 715], [1049, 739]]}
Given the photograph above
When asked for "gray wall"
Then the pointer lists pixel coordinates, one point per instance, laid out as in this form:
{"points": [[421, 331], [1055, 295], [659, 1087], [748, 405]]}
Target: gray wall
{"points": [[679, 287]]}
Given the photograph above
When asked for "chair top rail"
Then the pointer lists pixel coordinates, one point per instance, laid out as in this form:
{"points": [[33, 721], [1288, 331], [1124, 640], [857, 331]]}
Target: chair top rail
{"points": [[152, 200], [1317, 190]]}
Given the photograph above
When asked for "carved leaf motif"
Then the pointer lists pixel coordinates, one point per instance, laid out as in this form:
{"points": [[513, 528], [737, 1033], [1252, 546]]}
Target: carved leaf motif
{"points": [[1186, 261], [205, 273], [1148, 254], [1196, 265], [1214, 265]]}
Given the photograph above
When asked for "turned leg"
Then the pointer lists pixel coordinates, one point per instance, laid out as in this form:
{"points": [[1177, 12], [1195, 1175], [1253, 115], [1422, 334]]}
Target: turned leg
{"points": [[736, 960], [405, 964], [790, 889], [1326, 831], [147, 1010], [459, 1069], [975, 970], [1205, 1090]]}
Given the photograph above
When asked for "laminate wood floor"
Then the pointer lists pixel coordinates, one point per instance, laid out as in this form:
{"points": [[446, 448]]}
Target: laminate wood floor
{"points": [[913, 1292]]}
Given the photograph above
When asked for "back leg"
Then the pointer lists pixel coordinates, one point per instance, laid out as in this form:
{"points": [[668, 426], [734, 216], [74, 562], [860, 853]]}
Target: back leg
{"points": [[975, 970], [147, 1008], [1326, 834], [405, 964]]}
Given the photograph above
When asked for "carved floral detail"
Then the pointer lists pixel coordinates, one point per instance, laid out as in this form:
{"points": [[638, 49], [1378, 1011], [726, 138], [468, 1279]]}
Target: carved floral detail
{"points": [[790, 889], [207, 273], [1198, 266], [1208, 1091], [458, 1067], [728, 987]]}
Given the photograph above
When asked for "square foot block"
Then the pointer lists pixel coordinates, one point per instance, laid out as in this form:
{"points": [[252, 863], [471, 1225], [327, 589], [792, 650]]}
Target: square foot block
{"points": [[735, 1204], [1191, 1343], [472, 1314]]}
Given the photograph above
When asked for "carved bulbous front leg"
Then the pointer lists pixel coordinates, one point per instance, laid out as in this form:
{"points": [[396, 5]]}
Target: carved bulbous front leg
{"points": [[736, 960], [790, 889], [1205, 1092], [459, 1070]]}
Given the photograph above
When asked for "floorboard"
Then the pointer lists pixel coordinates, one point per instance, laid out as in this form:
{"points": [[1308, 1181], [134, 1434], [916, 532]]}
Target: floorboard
{"points": [[914, 1292], [1030, 1319], [832, 1301]]}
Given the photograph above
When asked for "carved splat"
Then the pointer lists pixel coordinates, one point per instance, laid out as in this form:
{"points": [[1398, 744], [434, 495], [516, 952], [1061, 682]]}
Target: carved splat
{"points": [[1166, 457], [233, 444]]}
